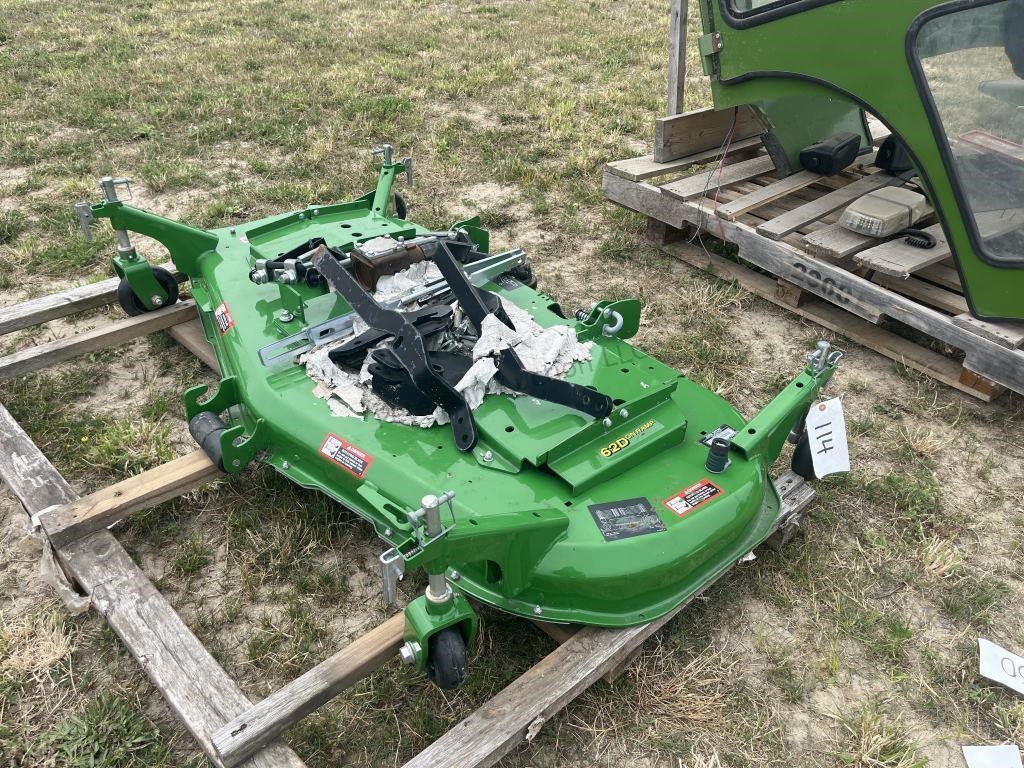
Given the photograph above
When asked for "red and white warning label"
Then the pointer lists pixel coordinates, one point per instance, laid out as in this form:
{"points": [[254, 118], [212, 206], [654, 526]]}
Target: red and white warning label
{"points": [[688, 499], [346, 456], [223, 318]]}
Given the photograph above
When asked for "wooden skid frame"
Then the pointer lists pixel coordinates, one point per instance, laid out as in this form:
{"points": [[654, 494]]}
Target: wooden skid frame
{"points": [[227, 726], [798, 257]]}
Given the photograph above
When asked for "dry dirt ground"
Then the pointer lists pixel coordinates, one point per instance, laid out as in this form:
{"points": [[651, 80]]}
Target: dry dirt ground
{"points": [[856, 646]]}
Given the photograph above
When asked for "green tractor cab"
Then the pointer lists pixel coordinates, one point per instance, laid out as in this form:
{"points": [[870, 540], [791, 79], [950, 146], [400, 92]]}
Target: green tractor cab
{"points": [[944, 77], [532, 461]]}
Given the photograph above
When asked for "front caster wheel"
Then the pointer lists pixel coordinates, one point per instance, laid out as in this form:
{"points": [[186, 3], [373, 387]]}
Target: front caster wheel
{"points": [[130, 302], [446, 663], [803, 464]]}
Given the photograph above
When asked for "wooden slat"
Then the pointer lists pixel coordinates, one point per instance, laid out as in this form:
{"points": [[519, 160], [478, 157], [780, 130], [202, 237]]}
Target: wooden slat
{"points": [[775, 190], [694, 186], [700, 130], [899, 259], [879, 132], [108, 335], [942, 274], [105, 507], [677, 56], [929, 294], [841, 287], [1009, 335], [639, 168], [190, 335], [836, 243], [63, 303], [190, 680], [791, 221], [536, 696], [264, 722], [893, 346]]}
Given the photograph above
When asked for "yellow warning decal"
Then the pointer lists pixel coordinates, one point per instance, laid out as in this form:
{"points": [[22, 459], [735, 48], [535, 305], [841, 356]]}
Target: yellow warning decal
{"points": [[623, 442]]}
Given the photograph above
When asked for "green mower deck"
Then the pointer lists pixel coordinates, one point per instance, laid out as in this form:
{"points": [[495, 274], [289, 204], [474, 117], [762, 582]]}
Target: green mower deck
{"points": [[552, 514]]}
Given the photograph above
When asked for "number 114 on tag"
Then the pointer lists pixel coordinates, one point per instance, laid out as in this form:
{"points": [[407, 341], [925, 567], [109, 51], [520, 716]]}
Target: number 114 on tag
{"points": [[826, 431]]}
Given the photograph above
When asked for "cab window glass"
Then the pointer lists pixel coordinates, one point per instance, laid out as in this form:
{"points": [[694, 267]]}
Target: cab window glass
{"points": [[973, 65], [744, 7]]}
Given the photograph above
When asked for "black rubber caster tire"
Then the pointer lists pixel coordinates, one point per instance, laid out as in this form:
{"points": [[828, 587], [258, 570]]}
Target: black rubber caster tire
{"points": [[130, 302], [447, 665], [802, 462], [401, 209]]}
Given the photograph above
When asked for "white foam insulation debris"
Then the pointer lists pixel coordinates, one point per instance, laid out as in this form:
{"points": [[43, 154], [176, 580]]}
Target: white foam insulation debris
{"points": [[548, 351]]}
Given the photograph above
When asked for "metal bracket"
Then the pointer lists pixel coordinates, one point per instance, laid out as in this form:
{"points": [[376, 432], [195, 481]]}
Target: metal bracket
{"points": [[824, 357], [384, 151], [392, 571], [85, 218], [407, 163], [709, 46]]}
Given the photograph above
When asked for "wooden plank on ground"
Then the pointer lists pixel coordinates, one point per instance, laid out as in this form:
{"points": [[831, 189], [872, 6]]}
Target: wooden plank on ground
{"points": [[1009, 335], [700, 130], [190, 335], [108, 335], [105, 507], [190, 680], [893, 346], [695, 186], [63, 303], [640, 168], [253, 729], [791, 221], [522, 708], [929, 294]]}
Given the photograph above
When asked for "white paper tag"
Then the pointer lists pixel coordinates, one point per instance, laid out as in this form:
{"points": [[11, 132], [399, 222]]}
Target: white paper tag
{"points": [[1000, 665], [826, 430], [1005, 756]]}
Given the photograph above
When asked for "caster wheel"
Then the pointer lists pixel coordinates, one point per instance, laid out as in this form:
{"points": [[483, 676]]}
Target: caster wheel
{"points": [[446, 664], [400, 207], [130, 302], [802, 464]]}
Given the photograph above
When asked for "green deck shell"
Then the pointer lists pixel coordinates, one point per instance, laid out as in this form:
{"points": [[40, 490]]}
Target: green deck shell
{"points": [[524, 538]]}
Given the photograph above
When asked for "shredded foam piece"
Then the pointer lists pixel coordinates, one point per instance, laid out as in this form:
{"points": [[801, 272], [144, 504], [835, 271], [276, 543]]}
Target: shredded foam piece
{"points": [[548, 351]]}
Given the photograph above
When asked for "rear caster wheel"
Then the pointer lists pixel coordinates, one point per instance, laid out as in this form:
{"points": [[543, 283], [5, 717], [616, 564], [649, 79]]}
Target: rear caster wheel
{"points": [[803, 464], [446, 663], [130, 302]]}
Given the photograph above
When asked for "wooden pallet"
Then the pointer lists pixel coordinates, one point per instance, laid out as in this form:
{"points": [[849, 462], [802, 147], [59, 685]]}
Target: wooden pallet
{"points": [[230, 728], [792, 251]]}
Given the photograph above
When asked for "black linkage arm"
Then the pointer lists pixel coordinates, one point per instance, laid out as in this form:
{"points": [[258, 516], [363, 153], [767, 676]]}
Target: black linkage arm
{"points": [[407, 345], [511, 371]]}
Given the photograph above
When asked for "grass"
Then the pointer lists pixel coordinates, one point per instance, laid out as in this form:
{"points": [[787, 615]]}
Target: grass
{"points": [[852, 647]]}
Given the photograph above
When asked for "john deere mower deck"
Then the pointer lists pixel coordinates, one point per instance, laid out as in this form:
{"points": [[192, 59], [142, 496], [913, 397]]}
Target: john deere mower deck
{"points": [[606, 490]]}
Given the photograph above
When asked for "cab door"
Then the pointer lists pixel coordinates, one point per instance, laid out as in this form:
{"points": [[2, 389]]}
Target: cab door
{"points": [[945, 77]]}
